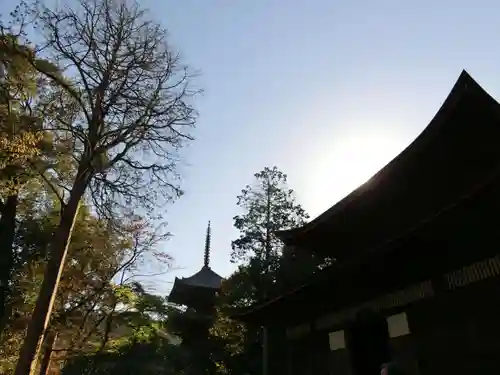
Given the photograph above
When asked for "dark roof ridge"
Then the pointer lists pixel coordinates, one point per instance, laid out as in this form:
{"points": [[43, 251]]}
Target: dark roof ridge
{"points": [[464, 84]]}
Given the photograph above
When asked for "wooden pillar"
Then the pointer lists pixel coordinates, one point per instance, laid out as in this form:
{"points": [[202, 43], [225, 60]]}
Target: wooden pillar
{"points": [[47, 352]]}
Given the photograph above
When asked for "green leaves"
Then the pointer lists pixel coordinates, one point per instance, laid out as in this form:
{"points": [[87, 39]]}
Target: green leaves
{"points": [[104, 130], [268, 205], [265, 267]]}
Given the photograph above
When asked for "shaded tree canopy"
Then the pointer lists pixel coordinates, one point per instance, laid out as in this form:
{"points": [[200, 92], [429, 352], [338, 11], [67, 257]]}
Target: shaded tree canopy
{"points": [[268, 206], [92, 119]]}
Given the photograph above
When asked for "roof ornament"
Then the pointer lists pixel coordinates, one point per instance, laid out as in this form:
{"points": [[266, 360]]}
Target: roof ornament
{"points": [[206, 259]]}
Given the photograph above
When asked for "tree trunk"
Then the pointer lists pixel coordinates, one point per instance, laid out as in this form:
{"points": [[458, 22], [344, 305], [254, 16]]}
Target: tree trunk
{"points": [[50, 339], [107, 330], [57, 255], [108, 325], [7, 232], [265, 338]]}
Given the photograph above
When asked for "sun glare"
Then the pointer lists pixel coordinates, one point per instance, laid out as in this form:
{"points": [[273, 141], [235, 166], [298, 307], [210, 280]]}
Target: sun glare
{"points": [[349, 162]]}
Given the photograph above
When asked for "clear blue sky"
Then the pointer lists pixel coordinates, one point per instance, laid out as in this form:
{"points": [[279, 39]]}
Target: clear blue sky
{"points": [[329, 91]]}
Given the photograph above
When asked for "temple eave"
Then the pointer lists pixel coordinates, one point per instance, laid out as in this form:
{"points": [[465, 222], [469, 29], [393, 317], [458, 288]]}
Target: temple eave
{"points": [[465, 125]]}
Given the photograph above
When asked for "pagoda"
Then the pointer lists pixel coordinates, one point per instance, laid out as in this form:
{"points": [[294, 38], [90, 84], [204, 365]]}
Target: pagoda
{"points": [[198, 293], [199, 290]]}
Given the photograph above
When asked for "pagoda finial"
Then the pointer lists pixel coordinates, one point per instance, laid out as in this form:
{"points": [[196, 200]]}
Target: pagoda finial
{"points": [[206, 259]]}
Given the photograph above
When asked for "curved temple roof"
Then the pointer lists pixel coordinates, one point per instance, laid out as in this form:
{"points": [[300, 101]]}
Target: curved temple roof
{"points": [[205, 278], [450, 160], [456, 150]]}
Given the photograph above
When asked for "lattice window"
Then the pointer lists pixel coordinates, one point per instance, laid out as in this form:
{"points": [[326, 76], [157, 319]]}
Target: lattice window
{"points": [[473, 273], [399, 298]]}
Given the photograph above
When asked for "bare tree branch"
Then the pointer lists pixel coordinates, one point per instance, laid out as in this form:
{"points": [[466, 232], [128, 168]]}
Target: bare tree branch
{"points": [[122, 98]]}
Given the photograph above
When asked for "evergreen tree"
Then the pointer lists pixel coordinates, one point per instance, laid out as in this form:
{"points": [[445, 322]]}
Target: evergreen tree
{"points": [[269, 206]]}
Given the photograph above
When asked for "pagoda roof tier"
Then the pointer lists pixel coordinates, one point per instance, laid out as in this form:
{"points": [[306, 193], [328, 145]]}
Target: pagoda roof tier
{"points": [[195, 289], [200, 287], [458, 149], [205, 279]]}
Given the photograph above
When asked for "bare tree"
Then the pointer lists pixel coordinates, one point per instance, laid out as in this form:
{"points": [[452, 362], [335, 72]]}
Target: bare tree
{"points": [[123, 100]]}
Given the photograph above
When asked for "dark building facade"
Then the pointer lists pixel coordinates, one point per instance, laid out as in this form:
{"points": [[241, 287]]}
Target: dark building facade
{"points": [[417, 262]]}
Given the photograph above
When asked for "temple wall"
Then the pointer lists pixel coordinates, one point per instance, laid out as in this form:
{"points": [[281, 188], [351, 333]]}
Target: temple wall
{"points": [[317, 353], [402, 343], [459, 332], [446, 325], [278, 351], [339, 361]]}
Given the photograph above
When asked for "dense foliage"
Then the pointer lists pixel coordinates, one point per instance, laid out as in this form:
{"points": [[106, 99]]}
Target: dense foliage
{"points": [[89, 136], [266, 268]]}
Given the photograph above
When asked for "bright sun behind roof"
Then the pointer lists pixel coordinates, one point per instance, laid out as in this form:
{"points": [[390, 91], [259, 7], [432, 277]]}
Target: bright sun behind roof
{"points": [[349, 163]]}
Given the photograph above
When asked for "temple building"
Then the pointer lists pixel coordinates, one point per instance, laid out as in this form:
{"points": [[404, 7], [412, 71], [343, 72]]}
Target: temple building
{"points": [[198, 293], [199, 290], [416, 273]]}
